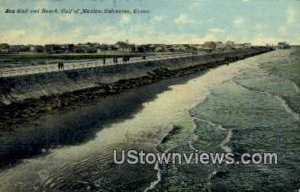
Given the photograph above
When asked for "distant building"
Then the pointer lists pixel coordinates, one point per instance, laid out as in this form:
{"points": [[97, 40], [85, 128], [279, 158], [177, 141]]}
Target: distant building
{"points": [[238, 46], [283, 45], [159, 48], [4, 47], [247, 45], [143, 48], [52, 48], [124, 46], [18, 48], [36, 48], [81, 48], [198, 47], [230, 44], [210, 45], [70, 48], [241, 46], [220, 45], [55, 48], [180, 47]]}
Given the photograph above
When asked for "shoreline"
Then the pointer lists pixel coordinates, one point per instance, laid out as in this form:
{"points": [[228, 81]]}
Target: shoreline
{"points": [[27, 117], [33, 108]]}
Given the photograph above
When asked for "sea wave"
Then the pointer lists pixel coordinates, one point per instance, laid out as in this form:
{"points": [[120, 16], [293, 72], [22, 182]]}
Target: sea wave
{"points": [[282, 101], [158, 175], [157, 168]]}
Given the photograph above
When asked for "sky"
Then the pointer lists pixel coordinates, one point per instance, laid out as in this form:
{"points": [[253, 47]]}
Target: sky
{"points": [[169, 21]]}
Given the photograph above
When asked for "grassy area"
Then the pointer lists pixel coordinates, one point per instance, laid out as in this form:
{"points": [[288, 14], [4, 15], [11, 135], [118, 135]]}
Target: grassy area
{"points": [[28, 58], [69, 56]]}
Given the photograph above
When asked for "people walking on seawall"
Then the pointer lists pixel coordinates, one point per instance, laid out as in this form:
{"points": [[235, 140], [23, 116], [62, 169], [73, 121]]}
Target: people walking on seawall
{"points": [[115, 59], [60, 66], [126, 59], [144, 57], [104, 61]]}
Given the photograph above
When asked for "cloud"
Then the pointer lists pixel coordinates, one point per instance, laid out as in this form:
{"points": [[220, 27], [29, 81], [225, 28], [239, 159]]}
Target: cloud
{"points": [[158, 18], [290, 16], [183, 19], [217, 30], [273, 24], [125, 19], [173, 38], [12, 35], [148, 35], [258, 26], [38, 36], [67, 17], [211, 20], [238, 22], [290, 24], [263, 39]]}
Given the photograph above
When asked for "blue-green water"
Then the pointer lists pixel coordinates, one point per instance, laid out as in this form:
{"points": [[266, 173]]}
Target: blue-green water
{"points": [[255, 112], [250, 106]]}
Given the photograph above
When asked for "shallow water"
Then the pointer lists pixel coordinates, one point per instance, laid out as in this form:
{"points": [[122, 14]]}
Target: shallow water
{"points": [[247, 106], [253, 112]]}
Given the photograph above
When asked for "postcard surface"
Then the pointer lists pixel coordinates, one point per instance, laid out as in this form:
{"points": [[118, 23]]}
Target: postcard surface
{"points": [[148, 95]]}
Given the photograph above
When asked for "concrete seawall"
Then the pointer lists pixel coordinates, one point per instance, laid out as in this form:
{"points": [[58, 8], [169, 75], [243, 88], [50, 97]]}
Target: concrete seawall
{"points": [[19, 88]]}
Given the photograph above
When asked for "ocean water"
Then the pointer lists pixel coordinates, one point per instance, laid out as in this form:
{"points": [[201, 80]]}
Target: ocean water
{"points": [[254, 112], [248, 106]]}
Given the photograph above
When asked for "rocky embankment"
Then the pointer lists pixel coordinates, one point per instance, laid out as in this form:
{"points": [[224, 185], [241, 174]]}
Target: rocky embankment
{"points": [[33, 108]]}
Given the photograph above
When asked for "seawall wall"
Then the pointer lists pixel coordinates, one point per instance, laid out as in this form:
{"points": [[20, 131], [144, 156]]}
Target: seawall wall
{"points": [[19, 88]]}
